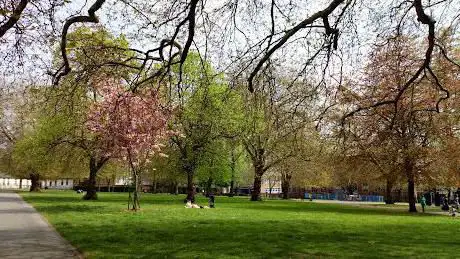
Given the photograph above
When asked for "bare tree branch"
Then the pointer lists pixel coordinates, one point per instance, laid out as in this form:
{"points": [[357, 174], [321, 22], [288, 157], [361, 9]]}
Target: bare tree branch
{"points": [[320, 14], [425, 66], [91, 18], [14, 18]]}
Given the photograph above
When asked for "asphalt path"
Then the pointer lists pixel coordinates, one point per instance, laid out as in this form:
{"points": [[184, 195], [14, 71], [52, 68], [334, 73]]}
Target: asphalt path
{"points": [[24, 233]]}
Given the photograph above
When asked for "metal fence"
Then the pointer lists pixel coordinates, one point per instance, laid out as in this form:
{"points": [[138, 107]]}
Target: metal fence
{"points": [[343, 197]]}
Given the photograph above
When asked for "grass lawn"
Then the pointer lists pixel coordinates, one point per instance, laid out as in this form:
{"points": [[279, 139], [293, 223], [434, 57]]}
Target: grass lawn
{"points": [[238, 228]]}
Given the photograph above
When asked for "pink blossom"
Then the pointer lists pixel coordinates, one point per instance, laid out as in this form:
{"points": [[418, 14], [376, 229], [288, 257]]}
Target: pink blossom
{"points": [[131, 126]]}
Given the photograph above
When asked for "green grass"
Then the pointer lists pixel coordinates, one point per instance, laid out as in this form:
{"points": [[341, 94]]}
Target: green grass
{"points": [[238, 228]]}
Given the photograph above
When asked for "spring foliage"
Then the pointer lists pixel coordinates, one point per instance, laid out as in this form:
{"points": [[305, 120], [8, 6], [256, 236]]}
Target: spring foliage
{"points": [[130, 125]]}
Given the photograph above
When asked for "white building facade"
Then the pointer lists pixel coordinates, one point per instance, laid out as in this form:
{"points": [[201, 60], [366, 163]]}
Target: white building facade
{"points": [[8, 182], [59, 184], [11, 183]]}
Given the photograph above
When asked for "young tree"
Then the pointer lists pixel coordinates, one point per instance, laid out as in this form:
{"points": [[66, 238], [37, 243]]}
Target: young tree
{"points": [[130, 125]]}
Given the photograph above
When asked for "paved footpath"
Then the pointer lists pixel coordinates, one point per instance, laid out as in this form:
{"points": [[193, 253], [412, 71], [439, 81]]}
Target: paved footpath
{"points": [[24, 233]]}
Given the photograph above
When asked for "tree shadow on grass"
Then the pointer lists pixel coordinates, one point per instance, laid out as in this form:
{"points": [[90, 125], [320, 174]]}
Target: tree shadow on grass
{"points": [[103, 197], [46, 197], [252, 239], [289, 205], [120, 199], [80, 208], [331, 208]]}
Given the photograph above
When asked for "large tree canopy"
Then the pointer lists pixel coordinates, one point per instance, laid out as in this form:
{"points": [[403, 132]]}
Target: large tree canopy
{"points": [[315, 38]]}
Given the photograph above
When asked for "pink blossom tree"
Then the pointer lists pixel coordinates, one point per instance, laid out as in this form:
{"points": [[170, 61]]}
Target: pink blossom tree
{"points": [[131, 127]]}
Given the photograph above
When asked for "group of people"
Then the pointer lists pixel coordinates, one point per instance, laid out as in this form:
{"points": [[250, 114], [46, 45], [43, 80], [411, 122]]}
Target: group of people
{"points": [[452, 209], [445, 205]]}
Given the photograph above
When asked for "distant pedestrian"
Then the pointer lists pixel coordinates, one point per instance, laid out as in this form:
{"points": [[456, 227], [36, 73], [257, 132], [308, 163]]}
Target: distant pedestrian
{"points": [[455, 206], [423, 203]]}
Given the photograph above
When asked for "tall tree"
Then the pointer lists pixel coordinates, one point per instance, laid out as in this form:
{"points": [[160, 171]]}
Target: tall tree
{"points": [[90, 47], [406, 128], [276, 120], [208, 111]]}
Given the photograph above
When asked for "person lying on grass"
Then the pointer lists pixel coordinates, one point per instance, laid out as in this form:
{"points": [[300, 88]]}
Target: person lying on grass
{"points": [[190, 205]]}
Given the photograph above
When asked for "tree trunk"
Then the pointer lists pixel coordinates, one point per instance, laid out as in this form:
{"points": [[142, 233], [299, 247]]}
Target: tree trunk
{"points": [[20, 184], [190, 187], [388, 197], [258, 160], [408, 166], [154, 187], [270, 187], [35, 184], [232, 182], [135, 205], [285, 185], [113, 183], [232, 188], [411, 192], [255, 194], [154, 182], [209, 186], [91, 193]]}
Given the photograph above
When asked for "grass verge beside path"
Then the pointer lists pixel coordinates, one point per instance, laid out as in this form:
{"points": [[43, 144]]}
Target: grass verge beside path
{"points": [[238, 228]]}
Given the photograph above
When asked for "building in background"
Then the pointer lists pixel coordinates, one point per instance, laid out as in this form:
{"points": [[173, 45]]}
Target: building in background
{"points": [[8, 182], [58, 184], [12, 183]]}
